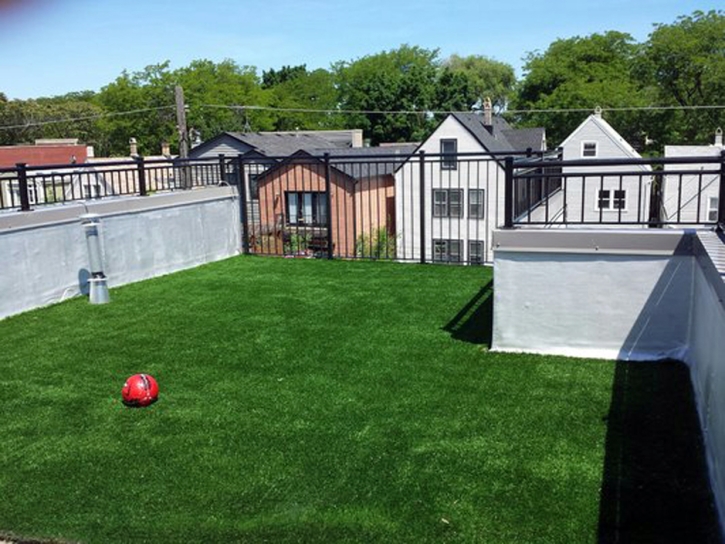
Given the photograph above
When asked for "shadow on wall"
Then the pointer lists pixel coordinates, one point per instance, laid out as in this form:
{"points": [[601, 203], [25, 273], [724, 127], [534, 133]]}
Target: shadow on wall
{"points": [[655, 486], [474, 323], [83, 286], [661, 328]]}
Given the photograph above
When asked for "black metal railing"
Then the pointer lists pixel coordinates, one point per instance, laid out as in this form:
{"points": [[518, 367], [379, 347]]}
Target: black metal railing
{"points": [[374, 204], [672, 191], [26, 187], [399, 204]]}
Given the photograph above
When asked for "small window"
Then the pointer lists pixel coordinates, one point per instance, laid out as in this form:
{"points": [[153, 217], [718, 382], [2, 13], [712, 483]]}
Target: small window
{"points": [[447, 251], [475, 252], [475, 203], [612, 200], [440, 203], [619, 202], [589, 149], [447, 202], [603, 202], [449, 149], [306, 209], [254, 186], [712, 205]]}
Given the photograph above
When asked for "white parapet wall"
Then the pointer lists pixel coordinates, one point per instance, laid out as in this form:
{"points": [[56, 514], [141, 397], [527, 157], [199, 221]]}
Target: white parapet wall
{"points": [[625, 295], [45, 256]]}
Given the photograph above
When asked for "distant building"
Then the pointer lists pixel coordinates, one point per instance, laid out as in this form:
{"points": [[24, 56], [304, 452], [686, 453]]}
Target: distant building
{"points": [[692, 197]]}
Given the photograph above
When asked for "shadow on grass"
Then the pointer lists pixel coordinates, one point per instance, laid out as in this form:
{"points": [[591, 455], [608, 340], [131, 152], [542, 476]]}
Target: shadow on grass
{"points": [[655, 486], [474, 323]]}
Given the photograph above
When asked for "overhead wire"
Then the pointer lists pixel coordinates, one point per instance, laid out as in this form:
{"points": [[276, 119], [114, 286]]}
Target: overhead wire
{"points": [[255, 107], [84, 118]]}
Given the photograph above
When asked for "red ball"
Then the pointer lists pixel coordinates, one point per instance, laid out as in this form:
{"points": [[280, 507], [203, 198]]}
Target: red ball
{"points": [[140, 390]]}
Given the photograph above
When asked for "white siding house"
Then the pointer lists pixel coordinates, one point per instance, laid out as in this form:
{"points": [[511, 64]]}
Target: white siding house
{"points": [[463, 196], [692, 194], [620, 197]]}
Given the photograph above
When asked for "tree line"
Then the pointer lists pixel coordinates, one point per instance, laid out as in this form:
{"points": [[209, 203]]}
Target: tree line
{"points": [[680, 69]]}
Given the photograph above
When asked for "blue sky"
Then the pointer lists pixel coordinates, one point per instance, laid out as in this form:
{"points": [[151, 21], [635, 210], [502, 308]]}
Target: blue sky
{"points": [[50, 47]]}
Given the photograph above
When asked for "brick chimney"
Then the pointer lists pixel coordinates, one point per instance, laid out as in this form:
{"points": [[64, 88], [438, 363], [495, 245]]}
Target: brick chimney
{"points": [[165, 149], [133, 147], [487, 112]]}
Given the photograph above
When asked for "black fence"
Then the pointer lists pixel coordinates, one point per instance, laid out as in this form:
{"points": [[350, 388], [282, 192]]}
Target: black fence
{"points": [[27, 187], [393, 203], [676, 191]]}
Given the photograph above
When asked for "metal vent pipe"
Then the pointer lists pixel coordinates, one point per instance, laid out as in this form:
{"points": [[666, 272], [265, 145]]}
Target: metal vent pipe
{"points": [[98, 285]]}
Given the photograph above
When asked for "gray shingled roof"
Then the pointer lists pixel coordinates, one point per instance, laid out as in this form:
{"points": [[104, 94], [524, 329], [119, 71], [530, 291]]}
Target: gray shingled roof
{"points": [[522, 139], [357, 163], [282, 145], [364, 162], [501, 137]]}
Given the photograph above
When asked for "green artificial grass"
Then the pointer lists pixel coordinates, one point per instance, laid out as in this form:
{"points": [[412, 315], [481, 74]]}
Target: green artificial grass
{"points": [[301, 401]]}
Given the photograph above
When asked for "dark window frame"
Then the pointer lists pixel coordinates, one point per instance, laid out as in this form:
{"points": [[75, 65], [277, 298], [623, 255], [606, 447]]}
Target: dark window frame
{"points": [[318, 203], [481, 214], [449, 159], [448, 205], [447, 255], [481, 257]]}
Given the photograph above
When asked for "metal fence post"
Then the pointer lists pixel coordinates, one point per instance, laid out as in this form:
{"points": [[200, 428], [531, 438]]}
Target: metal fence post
{"points": [[141, 176], [421, 159], [508, 200], [243, 216], [23, 186], [222, 168], [328, 205], [721, 195]]}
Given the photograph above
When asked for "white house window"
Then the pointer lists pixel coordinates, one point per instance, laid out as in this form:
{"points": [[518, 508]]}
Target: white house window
{"points": [[475, 252], [308, 209], [589, 149], [612, 200], [447, 251], [475, 203], [712, 204], [449, 148], [447, 202]]}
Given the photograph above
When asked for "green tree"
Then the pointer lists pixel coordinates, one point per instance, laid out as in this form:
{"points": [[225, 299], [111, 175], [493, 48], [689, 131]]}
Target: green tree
{"points": [[402, 79], [485, 78], [583, 73], [67, 116], [272, 77], [684, 64], [307, 91]]}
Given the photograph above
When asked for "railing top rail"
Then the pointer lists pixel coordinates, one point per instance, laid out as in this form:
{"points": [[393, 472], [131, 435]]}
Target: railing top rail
{"points": [[706, 159]]}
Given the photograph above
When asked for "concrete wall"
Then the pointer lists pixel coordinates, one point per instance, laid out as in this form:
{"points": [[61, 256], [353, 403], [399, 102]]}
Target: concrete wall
{"points": [[45, 258], [623, 295], [612, 295]]}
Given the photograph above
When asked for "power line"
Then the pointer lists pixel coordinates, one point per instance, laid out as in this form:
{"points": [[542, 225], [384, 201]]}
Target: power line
{"points": [[360, 112], [85, 118], [444, 112]]}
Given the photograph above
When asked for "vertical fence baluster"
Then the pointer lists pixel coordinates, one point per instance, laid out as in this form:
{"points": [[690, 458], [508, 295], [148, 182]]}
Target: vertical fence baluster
{"points": [[721, 194], [243, 217], [141, 176], [422, 205], [23, 186], [508, 202], [328, 206]]}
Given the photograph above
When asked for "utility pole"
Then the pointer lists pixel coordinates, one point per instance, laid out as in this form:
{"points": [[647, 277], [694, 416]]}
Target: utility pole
{"points": [[181, 122], [184, 174]]}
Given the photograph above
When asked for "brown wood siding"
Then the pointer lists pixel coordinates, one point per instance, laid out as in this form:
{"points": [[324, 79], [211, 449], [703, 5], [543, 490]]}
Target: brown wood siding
{"points": [[306, 178]]}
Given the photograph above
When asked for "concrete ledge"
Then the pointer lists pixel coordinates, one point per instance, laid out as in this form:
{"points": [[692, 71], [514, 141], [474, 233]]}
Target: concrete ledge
{"points": [[595, 241], [70, 212]]}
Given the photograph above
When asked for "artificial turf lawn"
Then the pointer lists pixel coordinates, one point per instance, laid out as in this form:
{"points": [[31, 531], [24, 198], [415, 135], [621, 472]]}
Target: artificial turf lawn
{"points": [[301, 401]]}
